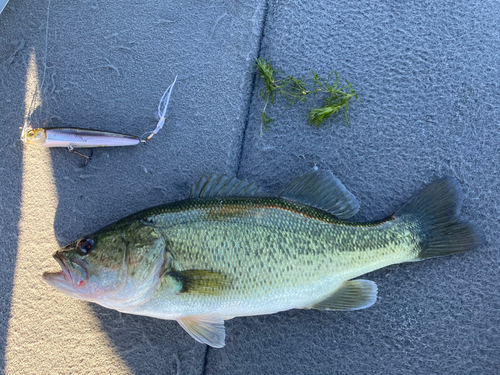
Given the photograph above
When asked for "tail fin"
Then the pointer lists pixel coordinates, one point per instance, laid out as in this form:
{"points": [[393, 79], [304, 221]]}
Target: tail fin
{"points": [[436, 210]]}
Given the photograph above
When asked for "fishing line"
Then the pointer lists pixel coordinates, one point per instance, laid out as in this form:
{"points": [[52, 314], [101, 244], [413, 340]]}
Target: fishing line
{"points": [[165, 99], [27, 127]]}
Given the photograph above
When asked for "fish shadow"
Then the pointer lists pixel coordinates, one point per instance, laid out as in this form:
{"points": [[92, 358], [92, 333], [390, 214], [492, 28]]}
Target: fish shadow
{"points": [[151, 346]]}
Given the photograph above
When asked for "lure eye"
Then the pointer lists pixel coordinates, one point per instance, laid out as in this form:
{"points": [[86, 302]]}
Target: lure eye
{"points": [[85, 246]]}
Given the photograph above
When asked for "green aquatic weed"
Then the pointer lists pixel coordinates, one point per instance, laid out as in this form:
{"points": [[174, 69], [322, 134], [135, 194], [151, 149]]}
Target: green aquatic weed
{"points": [[296, 90], [337, 99]]}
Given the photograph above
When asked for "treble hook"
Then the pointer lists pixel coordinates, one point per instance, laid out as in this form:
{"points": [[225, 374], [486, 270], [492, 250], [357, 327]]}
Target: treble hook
{"points": [[87, 158]]}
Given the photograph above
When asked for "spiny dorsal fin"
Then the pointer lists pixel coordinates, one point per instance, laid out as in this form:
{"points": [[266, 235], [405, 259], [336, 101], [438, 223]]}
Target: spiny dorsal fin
{"points": [[201, 281], [352, 295], [205, 329], [223, 186], [321, 189]]}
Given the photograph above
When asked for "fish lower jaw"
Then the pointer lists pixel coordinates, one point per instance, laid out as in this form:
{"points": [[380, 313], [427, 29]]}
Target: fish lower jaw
{"points": [[62, 283], [52, 278]]}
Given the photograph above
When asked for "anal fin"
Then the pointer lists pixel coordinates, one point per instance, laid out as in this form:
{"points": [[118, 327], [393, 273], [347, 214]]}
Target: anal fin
{"points": [[205, 329], [352, 295]]}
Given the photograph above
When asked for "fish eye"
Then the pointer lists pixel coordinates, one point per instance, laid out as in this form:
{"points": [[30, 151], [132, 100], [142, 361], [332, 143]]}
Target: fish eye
{"points": [[30, 133], [85, 246]]}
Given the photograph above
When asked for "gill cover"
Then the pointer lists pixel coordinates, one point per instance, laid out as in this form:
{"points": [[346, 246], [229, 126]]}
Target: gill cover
{"points": [[118, 267]]}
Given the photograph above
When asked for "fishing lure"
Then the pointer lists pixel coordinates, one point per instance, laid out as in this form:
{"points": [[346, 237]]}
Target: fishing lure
{"points": [[72, 138]]}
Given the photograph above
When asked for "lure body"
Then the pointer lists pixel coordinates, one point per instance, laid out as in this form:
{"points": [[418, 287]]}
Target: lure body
{"points": [[78, 138]]}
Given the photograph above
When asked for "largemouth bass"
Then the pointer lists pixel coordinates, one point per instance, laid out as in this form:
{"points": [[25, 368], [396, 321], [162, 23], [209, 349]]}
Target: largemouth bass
{"points": [[229, 250]]}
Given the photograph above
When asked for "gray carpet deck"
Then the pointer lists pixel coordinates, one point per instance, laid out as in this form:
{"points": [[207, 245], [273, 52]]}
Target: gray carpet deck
{"points": [[427, 76]]}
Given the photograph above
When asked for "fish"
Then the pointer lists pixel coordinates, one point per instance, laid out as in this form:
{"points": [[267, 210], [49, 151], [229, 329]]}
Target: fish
{"points": [[231, 250]]}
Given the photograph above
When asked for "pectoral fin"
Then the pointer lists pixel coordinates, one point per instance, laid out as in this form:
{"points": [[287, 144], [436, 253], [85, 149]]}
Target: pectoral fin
{"points": [[352, 295], [205, 329], [201, 281]]}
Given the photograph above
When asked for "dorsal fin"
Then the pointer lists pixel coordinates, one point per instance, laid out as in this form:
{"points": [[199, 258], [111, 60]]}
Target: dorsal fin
{"points": [[321, 189], [223, 186]]}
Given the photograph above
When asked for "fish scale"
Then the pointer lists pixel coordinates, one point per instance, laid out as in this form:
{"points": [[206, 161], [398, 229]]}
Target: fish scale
{"points": [[230, 250], [270, 240]]}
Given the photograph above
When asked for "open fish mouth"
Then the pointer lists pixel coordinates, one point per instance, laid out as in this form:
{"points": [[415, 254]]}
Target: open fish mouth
{"points": [[65, 278]]}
